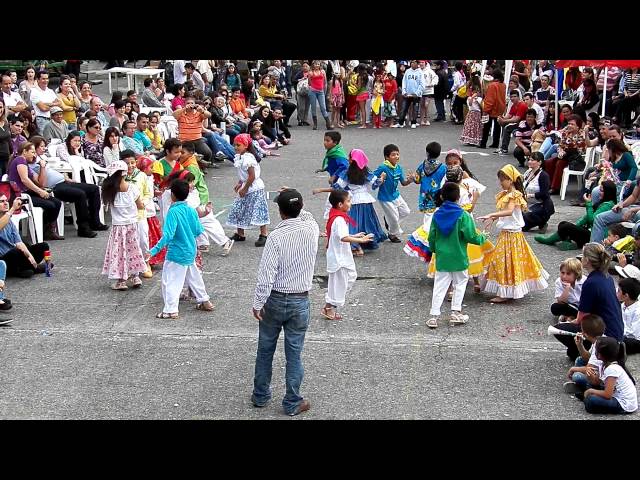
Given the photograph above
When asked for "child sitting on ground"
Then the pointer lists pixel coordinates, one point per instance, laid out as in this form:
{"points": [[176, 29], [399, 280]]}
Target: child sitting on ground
{"points": [[394, 207], [568, 289], [584, 374], [628, 291], [619, 394], [179, 232], [634, 258], [340, 265], [450, 232]]}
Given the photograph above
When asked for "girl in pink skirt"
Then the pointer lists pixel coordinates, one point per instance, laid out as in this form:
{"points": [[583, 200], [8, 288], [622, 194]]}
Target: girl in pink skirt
{"points": [[123, 259], [472, 130]]}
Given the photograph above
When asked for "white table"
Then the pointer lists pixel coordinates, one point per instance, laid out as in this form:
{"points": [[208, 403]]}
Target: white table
{"points": [[132, 73], [115, 71]]}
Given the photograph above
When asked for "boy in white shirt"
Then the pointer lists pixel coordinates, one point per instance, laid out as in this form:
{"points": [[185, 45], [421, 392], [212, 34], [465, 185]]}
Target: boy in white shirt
{"points": [[628, 292], [568, 288], [340, 265]]}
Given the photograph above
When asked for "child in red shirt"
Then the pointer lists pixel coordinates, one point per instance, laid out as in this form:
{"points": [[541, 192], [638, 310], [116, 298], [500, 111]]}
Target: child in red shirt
{"points": [[389, 97]]}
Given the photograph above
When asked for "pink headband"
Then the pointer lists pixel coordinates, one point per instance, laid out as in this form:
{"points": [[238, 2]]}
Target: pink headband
{"points": [[453, 151], [243, 139], [359, 157]]}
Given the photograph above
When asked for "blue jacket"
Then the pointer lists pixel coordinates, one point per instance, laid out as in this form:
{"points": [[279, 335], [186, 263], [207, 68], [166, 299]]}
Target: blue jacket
{"points": [[179, 232]]}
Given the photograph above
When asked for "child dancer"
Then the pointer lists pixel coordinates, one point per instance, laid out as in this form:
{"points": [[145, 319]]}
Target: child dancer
{"points": [[140, 180], [568, 289], [472, 130], [394, 207], [335, 162], [145, 165], [377, 100], [619, 394], [450, 232], [359, 181], [250, 206], [513, 269], [470, 191], [430, 175], [340, 265], [181, 227], [123, 259]]}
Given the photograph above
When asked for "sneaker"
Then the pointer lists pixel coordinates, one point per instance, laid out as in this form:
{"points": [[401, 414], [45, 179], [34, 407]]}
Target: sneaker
{"points": [[458, 318], [497, 151], [220, 156], [570, 387], [432, 322], [427, 123], [413, 125], [227, 248], [262, 239], [504, 153], [395, 125]]}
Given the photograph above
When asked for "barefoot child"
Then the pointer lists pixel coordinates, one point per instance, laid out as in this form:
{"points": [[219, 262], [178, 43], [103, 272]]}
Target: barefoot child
{"points": [[513, 270], [430, 175], [179, 232], [450, 232], [123, 259], [340, 265], [394, 207]]}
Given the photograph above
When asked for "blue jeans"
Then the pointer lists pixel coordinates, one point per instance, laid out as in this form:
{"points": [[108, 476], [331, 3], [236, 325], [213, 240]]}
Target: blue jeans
{"points": [[604, 219], [319, 96], [3, 275], [291, 314], [548, 148], [580, 378], [218, 144], [595, 404], [440, 108]]}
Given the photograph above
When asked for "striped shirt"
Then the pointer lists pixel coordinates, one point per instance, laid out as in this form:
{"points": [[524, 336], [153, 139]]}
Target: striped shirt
{"points": [[288, 259], [190, 125], [632, 85]]}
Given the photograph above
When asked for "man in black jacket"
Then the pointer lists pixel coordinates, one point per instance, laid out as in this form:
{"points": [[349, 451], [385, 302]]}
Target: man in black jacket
{"points": [[441, 90]]}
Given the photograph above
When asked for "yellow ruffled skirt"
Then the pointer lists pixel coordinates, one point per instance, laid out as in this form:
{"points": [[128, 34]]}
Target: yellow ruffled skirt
{"points": [[513, 270], [478, 259]]}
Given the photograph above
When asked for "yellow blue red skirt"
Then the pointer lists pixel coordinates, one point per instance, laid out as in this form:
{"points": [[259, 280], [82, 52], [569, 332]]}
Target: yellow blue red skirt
{"points": [[478, 259]]}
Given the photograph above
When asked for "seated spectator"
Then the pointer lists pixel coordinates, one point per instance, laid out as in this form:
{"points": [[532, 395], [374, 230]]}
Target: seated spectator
{"points": [[142, 125], [628, 292], [574, 235], [69, 102], [571, 150], [111, 146], [529, 101], [510, 121], [194, 76], [536, 186], [231, 78], [97, 107], [115, 97], [190, 127], [161, 89], [132, 96], [85, 96], [92, 142], [238, 105], [16, 126], [217, 143], [85, 196], [265, 116], [82, 125], [281, 129], [72, 146], [12, 100], [129, 141], [149, 97], [543, 93], [153, 133], [57, 127], [119, 117], [21, 260], [523, 134], [24, 180], [589, 101], [625, 211], [620, 166], [250, 94], [219, 117], [178, 101], [568, 288]]}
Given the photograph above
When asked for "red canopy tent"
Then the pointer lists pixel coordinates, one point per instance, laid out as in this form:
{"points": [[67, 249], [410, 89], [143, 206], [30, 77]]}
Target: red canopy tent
{"points": [[594, 63]]}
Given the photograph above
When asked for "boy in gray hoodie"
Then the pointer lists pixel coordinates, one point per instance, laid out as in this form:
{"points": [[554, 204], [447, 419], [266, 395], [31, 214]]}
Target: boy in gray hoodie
{"points": [[413, 85]]}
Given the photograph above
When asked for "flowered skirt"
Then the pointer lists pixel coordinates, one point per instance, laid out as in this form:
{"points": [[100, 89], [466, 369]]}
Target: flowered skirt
{"points": [[155, 233], [249, 211], [123, 257], [478, 259], [513, 269], [337, 100], [472, 130], [417, 245], [366, 221]]}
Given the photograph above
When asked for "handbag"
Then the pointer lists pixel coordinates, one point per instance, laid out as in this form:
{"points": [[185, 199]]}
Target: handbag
{"points": [[576, 161], [462, 91], [303, 87]]}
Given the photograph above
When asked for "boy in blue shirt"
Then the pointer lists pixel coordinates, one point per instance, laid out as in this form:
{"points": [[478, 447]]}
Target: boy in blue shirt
{"points": [[335, 162], [179, 232], [394, 206]]}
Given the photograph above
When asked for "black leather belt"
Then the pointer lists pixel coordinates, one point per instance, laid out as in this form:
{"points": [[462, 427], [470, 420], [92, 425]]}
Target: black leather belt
{"points": [[296, 294]]}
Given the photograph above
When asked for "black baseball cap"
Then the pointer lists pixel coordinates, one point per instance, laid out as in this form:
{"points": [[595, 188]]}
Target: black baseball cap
{"points": [[289, 197]]}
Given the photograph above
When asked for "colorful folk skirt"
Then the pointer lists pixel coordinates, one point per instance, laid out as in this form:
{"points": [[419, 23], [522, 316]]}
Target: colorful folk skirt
{"points": [[513, 270], [417, 245], [472, 130], [478, 259], [123, 257], [364, 214], [249, 211], [155, 233]]}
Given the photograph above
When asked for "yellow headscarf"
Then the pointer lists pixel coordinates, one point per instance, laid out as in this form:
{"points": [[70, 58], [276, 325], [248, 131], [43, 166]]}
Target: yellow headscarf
{"points": [[504, 197], [511, 172]]}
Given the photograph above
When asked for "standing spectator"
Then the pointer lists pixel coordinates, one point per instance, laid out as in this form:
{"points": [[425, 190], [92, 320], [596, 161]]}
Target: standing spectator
{"points": [[27, 84], [441, 90], [231, 77], [12, 100], [412, 89], [92, 142], [194, 76], [631, 99], [430, 81], [69, 102], [97, 107], [282, 299], [301, 83], [317, 87], [459, 81], [43, 99], [493, 106], [545, 91], [472, 130], [179, 72], [16, 127]]}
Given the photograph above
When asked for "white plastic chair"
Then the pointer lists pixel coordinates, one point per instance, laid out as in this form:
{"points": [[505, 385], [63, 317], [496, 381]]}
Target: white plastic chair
{"points": [[635, 150], [35, 226], [589, 159]]}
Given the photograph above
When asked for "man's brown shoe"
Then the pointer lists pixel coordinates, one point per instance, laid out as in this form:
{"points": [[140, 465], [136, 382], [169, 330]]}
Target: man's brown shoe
{"points": [[303, 407]]}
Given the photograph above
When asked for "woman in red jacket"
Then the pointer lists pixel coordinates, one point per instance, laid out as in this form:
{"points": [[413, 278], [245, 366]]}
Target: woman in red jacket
{"points": [[494, 105]]}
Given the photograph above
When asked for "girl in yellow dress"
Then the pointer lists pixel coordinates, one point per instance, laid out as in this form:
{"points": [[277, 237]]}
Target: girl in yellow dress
{"points": [[470, 190], [513, 270]]}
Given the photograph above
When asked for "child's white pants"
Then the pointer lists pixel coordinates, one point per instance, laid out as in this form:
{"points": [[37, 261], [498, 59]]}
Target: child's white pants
{"points": [[174, 277], [340, 282], [441, 283], [143, 235], [394, 213], [212, 231], [327, 207]]}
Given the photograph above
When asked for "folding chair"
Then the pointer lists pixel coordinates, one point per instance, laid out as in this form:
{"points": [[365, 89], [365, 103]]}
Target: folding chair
{"points": [[33, 215], [589, 160]]}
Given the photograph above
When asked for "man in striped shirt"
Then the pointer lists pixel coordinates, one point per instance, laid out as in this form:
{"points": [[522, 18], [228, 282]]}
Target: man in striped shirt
{"points": [[282, 299]]}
